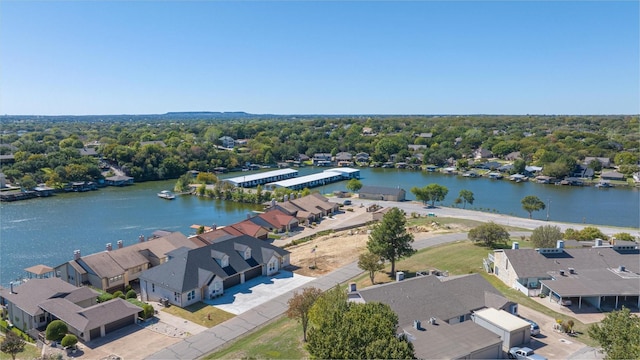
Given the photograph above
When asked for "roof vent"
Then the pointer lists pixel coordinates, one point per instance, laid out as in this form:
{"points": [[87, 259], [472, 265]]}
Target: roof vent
{"points": [[76, 255], [560, 244], [433, 321], [119, 244], [515, 245], [417, 325], [561, 272], [109, 247], [572, 271], [352, 287], [621, 268], [141, 238]]}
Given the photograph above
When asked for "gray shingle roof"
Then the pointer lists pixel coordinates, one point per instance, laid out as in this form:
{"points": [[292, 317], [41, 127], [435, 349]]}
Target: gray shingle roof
{"points": [[380, 190], [423, 297], [31, 293], [188, 269]]}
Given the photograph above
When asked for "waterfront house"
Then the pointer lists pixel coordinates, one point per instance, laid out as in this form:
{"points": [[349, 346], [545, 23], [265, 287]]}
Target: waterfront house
{"points": [[362, 157], [88, 151], [32, 305], [605, 276], [583, 171], [604, 161], [612, 175], [512, 156], [119, 180], [322, 159], [482, 154], [194, 275], [275, 220], [382, 193], [115, 268], [344, 157], [414, 147]]}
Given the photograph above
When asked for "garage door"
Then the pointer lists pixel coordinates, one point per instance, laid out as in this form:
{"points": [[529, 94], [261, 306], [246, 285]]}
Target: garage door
{"points": [[94, 333], [118, 324], [231, 281], [252, 273]]}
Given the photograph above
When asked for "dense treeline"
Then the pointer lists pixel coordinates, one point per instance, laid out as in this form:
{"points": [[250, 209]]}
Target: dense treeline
{"points": [[47, 149]]}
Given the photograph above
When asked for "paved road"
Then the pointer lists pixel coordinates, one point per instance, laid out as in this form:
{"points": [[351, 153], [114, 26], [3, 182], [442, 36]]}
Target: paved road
{"points": [[211, 339]]}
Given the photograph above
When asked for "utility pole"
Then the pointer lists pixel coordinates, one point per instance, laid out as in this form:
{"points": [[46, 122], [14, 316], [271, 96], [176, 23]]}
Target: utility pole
{"points": [[548, 208]]}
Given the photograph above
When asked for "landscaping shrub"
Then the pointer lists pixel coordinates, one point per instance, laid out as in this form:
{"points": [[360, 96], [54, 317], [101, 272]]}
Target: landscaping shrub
{"points": [[147, 309], [104, 297], [127, 288], [131, 294], [69, 340], [119, 294], [56, 330]]}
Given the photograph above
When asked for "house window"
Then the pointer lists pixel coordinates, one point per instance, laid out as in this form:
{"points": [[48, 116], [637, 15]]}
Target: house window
{"points": [[153, 287], [272, 266], [176, 296], [41, 318], [191, 295]]}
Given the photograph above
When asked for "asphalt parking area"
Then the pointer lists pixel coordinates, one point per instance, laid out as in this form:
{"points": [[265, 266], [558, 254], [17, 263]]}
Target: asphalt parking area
{"points": [[550, 343], [257, 291]]}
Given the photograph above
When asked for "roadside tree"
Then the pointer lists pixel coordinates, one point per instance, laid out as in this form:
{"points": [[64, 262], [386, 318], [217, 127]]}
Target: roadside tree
{"points": [[467, 197], [624, 236], [370, 263], [489, 234], [12, 344], [354, 185], [546, 236], [431, 192], [618, 334], [531, 203], [299, 306], [389, 238]]}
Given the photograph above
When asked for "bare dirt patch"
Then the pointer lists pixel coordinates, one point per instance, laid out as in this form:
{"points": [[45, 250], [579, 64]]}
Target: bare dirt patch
{"points": [[341, 248]]}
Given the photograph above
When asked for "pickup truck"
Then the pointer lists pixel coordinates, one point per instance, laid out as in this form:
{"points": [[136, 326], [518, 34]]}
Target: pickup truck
{"points": [[524, 353]]}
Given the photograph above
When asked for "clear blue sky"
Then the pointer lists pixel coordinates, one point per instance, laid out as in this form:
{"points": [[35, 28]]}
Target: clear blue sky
{"points": [[325, 57]]}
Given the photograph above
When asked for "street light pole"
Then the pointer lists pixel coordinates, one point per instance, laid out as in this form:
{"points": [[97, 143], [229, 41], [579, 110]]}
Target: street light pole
{"points": [[548, 208]]}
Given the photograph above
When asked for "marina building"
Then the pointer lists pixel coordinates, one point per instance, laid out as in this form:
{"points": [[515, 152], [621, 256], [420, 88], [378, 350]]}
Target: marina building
{"points": [[314, 180], [262, 178]]}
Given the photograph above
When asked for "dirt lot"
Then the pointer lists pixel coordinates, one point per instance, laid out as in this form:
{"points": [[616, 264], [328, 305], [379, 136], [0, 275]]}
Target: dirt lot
{"points": [[341, 248]]}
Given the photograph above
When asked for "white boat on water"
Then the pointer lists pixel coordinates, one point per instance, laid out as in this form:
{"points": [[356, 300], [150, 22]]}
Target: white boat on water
{"points": [[166, 194]]}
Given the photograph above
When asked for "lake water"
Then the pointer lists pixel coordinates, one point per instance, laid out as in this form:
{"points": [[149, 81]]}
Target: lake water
{"points": [[47, 231]]}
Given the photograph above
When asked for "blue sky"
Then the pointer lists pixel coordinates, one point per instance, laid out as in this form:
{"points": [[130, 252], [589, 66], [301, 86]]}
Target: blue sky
{"points": [[324, 57]]}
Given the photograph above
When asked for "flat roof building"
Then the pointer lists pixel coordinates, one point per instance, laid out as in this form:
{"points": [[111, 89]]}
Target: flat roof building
{"points": [[314, 180], [253, 180]]}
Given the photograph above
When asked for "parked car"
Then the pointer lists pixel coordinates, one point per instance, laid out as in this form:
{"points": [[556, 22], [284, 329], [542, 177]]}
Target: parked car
{"points": [[347, 202], [524, 353], [535, 329]]}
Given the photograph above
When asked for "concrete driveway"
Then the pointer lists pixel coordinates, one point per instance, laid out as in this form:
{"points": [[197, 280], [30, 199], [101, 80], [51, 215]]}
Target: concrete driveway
{"points": [[257, 291], [550, 344]]}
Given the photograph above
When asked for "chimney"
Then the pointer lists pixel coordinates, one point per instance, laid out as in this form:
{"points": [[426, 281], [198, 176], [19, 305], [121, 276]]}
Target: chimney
{"points": [[572, 271], [11, 284], [560, 244], [141, 238], [399, 276], [515, 245], [214, 226], [119, 244], [561, 272], [273, 202], [417, 325], [352, 287], [76, 254], [433, 321], [598, 242], [109, 247], [286, 197]]}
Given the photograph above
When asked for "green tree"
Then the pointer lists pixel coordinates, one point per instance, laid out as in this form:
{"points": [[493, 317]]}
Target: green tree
{"points": [[389, 238], [342, 330], [69, 340], [591, 233], [531, 203], [467, 197], [618, 334], [625, 158], [489, 234], [546, 236], [12, 344], [56, 330], [519, 165], [354, 185], [370, 263], [431, 192], [119, 294], [300, 305], [624, 236], [131, 294]]}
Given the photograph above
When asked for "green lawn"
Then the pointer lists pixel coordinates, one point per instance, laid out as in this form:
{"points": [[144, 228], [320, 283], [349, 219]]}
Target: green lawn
{"points": [[200, 313], [280, 339], [30, 352]]}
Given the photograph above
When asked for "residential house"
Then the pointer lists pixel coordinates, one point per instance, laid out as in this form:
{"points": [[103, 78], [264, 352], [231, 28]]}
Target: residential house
{"points": [[604, 161], [322, 159], [227, 142], [367, 131], [481, 153], [115, 268], [382, 193], [275, 220], [32, 305], [194, 275], [612, 175], [362, 157], [342, 157], [583, 172], [434, 311], [118, 180], [425, 135], [512, 156], [88, 152], [413, 147], [605, 276]]}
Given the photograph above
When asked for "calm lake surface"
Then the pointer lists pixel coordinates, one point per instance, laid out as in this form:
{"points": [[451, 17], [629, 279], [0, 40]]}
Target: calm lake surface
{"points": [[47, 231]]}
